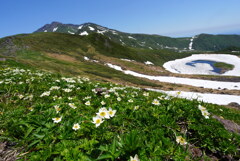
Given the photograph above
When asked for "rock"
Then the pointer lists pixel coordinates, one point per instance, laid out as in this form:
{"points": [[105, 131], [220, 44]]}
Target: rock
{"points": [[228, 124], [234, 104]]}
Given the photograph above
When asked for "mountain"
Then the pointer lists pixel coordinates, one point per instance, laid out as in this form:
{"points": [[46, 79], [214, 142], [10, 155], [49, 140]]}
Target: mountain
{"points": [[85, 55], [128, 39], [202, 42]]}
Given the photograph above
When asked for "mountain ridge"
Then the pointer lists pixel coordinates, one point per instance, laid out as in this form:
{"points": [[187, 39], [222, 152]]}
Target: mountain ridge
{"points": [[201, 42]]}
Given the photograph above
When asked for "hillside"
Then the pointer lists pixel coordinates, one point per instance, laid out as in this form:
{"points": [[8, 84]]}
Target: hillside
{"points": [[202, 42], [47, 116], [83, 55]]}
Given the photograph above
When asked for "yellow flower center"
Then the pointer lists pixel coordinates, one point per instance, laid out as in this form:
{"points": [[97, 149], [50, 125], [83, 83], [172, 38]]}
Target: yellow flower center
{"points": [[57, 119], [102, 114], [110, 112], [98, 121], [75, 126]]}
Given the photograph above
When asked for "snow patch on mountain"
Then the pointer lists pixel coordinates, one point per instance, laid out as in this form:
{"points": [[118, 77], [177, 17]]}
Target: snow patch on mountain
{"points": [[101, 32], [128, 60], [180, 65], [148, 63], [130, 37], [220, 99], [84, 33], [55, 29], [191, 43], [80, 27], [114, 32], [71, 32], [91, 28], [219, 85], [45, 30]]}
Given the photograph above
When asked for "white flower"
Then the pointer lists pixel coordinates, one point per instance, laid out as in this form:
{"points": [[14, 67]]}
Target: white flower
{"points": [[57, 119], [45, 94], [119, 99], [103, 103], [54, 88], [86, 98], [20, 83], [72, 105], [111, 112], [57, 108], [20, 96], [67, 90], [181, 140], [71, 86], [136, 107], [76, 126], [103, 113], [106, 96], [70, 98], [130, 100], [97, 121], [179, 92], [205, 114], [88, 103], [135, 158], [146, 94], [201, 108], [156, 102], [55, 97], [30, 108]]}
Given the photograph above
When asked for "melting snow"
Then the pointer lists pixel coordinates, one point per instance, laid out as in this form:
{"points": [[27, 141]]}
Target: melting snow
{"points": [[185, 81], [91, 28], [191, 43], [114, 66], [80, 27], [148, 63], [114, 32], [220, 99], [71, 32], [101, 32], [127, 60], [83, 33], [55, 29], [179, 65], [130, 37]]}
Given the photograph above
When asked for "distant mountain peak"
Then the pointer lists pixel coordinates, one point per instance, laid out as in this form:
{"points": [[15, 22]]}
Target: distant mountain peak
{"points": [[146, 41]]}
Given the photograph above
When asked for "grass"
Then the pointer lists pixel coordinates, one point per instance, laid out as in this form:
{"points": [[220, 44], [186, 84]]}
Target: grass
{"points": [[145, 123], [223, 66]]}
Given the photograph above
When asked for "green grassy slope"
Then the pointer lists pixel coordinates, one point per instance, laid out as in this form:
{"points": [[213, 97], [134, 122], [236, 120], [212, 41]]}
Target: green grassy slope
{"points": [[65, 44], [64, 53], [145, 123]]}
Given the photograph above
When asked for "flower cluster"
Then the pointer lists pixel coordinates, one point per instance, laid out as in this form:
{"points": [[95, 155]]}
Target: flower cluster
{"points": [[204, 111], [102, 114]]}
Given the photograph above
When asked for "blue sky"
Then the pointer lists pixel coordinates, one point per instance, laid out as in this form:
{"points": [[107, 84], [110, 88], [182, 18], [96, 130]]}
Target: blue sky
{"points": [[165, 17]]}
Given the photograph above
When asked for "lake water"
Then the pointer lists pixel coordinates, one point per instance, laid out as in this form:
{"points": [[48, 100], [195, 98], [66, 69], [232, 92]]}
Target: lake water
{"points": [[211, 63]]}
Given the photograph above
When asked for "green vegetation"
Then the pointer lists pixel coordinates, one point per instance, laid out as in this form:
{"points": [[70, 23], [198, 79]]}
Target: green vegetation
{"points": [[64, 53], [50, 117], [206, 42], [223, 66]]}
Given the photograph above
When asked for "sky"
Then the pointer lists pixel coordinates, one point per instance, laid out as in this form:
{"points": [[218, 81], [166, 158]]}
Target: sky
{"points": [[175, 18]]}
